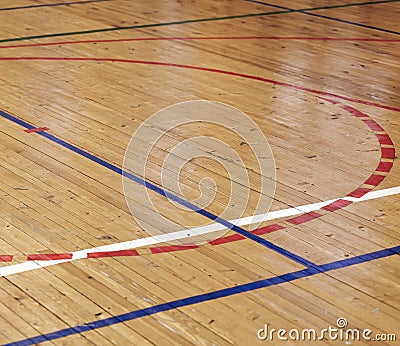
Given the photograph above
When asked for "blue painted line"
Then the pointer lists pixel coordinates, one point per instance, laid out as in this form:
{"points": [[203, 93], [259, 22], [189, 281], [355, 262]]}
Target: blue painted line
{"points": [[209, 296], [326, 17], [16, 120], [163, 192], [49, 5]]}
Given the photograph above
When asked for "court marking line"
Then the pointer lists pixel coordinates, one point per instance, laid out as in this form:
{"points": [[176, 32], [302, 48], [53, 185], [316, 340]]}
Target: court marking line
{"points": [[210, 296], [141, 26], [37, 129], [49, 5], [326, 17], [276, 248], [96, 252], [199, 38], [207, 69], [333, 207]]}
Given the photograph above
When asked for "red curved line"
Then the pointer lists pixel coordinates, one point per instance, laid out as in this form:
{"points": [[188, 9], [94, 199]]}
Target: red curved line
{"points": [[387, 152]]}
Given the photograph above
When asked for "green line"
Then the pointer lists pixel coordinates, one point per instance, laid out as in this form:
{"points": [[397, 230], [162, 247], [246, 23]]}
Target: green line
{"points": [[189, 21]]}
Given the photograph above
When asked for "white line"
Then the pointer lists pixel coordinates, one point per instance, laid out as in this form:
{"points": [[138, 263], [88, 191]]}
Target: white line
{"points": [[137, 243]]}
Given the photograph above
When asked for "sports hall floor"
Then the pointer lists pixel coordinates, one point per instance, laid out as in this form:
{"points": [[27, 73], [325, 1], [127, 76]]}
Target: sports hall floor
{"points": [[81, 260]]}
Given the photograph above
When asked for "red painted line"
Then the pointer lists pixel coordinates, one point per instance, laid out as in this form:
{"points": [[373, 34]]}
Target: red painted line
{"points": [[268, 229], [304, 218], [37, 129], [339, 204], [171, 248], [357, 193], [49, 257], [112, 253], [279, 38], [206, 69], [374, 179], [388, 153], [353, 111], [373, 125], [236, 237], [227, 239], [384, 139], [384, 166], [6, 258]]}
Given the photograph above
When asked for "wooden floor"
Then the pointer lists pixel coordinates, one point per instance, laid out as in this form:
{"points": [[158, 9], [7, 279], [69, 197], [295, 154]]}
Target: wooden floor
{"points": [[94, 255]]}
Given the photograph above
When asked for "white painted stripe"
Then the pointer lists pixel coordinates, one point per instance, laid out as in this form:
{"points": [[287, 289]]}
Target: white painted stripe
{"points": [[137, 243]]}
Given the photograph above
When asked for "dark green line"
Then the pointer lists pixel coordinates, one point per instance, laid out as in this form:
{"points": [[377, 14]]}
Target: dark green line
{"points": [[189, 21]]}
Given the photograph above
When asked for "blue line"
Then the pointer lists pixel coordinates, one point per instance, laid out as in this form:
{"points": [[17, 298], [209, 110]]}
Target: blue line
{"points": [[162, 192], [16, 120], [209, 296], [326, 17], [49, 5]]}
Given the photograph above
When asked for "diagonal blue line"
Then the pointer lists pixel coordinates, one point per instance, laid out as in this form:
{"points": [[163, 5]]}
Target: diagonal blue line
{"points": [[317, 269], [326, 17], [163, 192]]}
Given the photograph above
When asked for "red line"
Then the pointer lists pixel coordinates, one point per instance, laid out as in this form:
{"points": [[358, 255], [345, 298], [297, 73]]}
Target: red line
{"points": [[352, 110], [112, 253], [268, 229], [236, 237], [37, 129], [373, 125], [227, 239], [207, 69], [172, 248], [294, 38], [375, 179], [304, 218], [384, 139], [388, 153], [384, 166], [6, 258], [359, 192], [339, 204], [49, 257]]}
